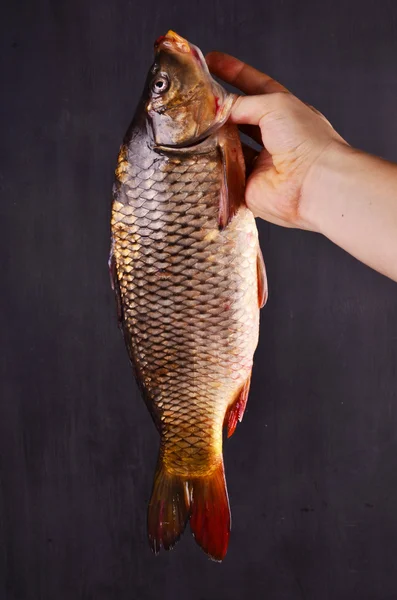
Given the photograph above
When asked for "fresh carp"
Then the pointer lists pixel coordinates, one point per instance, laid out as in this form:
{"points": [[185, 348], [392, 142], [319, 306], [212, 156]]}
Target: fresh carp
{"points": [[189, 280]]}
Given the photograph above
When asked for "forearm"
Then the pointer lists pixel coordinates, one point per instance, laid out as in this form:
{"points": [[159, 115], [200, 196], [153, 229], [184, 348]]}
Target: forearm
{"points": [[351, 198]]}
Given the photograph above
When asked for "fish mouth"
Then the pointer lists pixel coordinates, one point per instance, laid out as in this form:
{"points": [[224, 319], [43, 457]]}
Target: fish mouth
{"points": [[173, 42]]}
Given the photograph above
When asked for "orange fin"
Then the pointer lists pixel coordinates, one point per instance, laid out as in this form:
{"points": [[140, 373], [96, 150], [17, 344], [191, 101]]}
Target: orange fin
{"points": [[203, 499], [233, 184], [235, 412], [262, 279], [210, 513], [168, 511]]}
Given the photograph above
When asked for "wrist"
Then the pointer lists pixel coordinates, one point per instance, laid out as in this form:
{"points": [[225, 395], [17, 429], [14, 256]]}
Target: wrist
{"points": [[321, 183]]}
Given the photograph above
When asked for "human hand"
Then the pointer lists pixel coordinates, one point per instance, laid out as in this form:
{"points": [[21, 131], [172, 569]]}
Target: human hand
{"points": [[294, 136]]}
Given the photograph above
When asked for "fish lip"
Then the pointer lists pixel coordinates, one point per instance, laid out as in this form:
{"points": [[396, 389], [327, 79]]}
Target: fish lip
{"points": [[172, 41]]}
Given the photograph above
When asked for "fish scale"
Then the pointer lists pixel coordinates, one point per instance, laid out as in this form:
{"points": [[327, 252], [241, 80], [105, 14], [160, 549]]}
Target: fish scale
{"points": [[189, 297]]}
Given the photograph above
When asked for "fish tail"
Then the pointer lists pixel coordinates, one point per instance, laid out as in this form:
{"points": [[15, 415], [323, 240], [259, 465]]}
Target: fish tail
{"points": [[210, 513], [204, 500], [168, 511]]}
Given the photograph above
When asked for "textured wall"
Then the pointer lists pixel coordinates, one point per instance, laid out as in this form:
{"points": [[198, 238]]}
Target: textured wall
{"points": [[312, 469]]}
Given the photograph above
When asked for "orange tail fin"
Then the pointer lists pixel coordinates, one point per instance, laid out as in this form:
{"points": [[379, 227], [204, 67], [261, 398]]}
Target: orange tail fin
{"points": [[210, 513], [204, 500], [168, 511]]}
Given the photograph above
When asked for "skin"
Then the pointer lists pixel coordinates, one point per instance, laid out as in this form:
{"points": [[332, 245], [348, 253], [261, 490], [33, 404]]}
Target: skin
{"points": [[307, 176]]}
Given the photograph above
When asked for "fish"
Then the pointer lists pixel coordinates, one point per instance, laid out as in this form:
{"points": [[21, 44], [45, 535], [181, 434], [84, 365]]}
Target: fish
{"points": [[189, 280]]}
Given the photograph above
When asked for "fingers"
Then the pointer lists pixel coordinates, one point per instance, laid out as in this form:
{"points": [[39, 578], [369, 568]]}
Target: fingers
{"points": [[241, 75], [262, 91], [250, 110], [247, 79]]}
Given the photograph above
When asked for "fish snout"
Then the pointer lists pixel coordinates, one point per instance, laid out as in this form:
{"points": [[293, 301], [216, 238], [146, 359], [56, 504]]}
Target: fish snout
{"points": [[172, 41]]}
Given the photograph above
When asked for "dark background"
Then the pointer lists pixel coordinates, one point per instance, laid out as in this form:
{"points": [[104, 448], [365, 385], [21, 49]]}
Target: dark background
{"points": [[312, 471]]}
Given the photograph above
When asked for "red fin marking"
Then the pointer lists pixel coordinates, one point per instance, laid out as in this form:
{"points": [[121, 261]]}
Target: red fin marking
{"points": [[262, 280], [235, 412], [168, 510], [210, 519]]}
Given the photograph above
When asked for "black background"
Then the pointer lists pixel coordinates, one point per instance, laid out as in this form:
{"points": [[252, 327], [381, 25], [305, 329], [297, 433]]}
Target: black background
{"points": [[312, 470]]}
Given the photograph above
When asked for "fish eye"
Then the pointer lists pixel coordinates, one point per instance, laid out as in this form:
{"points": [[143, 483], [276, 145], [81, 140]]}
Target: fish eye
{"points": [[160, 84]]}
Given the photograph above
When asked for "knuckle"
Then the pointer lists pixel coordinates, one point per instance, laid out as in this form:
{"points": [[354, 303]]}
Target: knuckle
{"points": [[281, 102], [283, 99]]}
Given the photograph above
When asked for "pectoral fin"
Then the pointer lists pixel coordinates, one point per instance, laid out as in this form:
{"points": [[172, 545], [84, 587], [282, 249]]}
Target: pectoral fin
{"points": [[262, 280], [115, 286], [236, 411], [233, 183]]}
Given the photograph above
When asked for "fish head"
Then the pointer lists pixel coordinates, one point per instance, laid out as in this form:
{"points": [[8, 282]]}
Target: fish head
{"points": [[184, 104]]}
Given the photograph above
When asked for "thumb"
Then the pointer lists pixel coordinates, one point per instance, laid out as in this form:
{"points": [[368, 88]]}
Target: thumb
{"points": [[253, 110]]}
